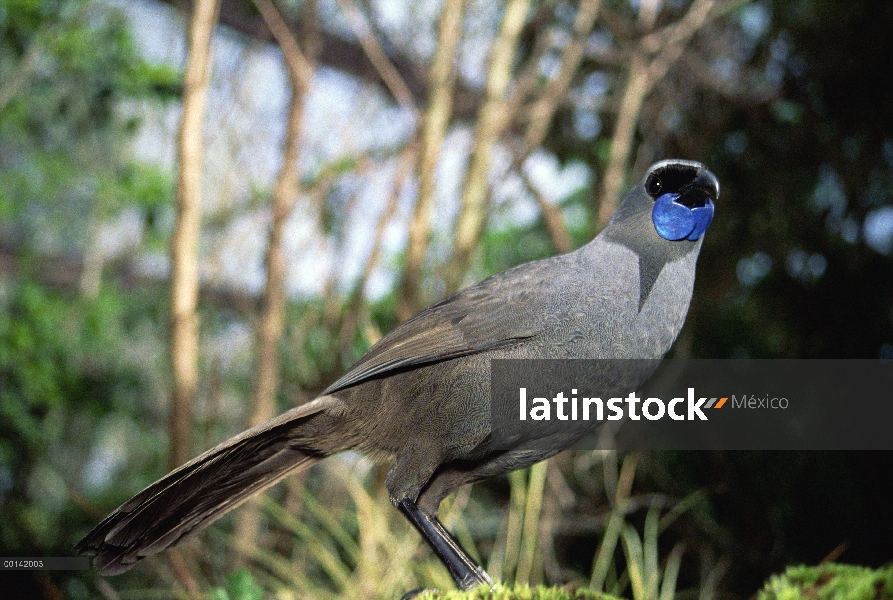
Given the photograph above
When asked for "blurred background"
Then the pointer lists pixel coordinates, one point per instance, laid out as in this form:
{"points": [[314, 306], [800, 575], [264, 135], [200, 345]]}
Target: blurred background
{"points": [[183, 255]]}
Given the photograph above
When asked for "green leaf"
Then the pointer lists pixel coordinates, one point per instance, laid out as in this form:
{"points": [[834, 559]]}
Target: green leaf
{"points": [[240, 585]]}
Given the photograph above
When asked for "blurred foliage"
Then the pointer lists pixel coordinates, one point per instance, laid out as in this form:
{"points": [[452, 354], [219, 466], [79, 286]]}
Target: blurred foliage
{"points": [[521, 592], [331, 533], [66, 67], [825, 582], [240, 585], [795, 267], [830, 582], [70, 395], [70, 390]]}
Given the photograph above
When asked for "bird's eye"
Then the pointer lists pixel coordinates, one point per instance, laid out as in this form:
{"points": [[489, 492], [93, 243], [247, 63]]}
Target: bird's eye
{"points": [[653, 185]]}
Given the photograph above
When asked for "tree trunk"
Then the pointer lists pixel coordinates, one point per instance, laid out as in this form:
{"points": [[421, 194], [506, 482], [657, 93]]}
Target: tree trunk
{"points": [[436, 119], [624, 133], [475, 193], [271, 323], [184, 245], [272, 317]]}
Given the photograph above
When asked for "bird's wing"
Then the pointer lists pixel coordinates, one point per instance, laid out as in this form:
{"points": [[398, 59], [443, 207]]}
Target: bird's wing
{"points": [[497, 312]]}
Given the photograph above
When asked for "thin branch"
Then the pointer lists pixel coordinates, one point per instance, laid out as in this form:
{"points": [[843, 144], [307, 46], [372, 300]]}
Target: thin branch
{"points": [[184, 343], [271, 322], [475, 193], [648, 11], [300, 65], [737, 90], [404, 169], [643, 75], [679, 31], [335, 52], [183, 573], [529, 75], [91, 275], [690, 24], [543, 110], [552, 216], [297, 64], [434, 126], [272, 317], [621, 143], [379, 59], [366, 8]]}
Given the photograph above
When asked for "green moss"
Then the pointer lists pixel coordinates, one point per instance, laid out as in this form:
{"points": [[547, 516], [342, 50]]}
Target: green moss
{"points": [[830, 582], [520, 592]]}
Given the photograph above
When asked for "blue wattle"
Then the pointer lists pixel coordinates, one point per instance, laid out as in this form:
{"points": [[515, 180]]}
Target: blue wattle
{"points": [[671, 220], [674, 221], [703, 216]]}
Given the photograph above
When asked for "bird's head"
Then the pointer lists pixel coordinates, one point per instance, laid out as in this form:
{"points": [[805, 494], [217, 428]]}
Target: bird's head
{"points": [[673, 202], [683, 193]]}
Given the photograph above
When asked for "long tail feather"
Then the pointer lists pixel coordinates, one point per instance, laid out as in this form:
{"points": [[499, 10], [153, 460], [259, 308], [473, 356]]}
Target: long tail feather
{"points": [[203, 490]]}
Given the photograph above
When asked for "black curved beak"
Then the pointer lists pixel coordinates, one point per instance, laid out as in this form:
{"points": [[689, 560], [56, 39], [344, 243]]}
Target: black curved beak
{"points": [[702, 189]]}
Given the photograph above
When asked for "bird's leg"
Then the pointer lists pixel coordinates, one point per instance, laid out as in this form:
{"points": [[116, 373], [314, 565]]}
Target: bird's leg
{"points": [[466, 573]]}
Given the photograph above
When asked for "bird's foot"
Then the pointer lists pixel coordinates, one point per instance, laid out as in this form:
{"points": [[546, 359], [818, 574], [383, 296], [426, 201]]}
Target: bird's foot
{"points": [[465, 572], [473, 578]]}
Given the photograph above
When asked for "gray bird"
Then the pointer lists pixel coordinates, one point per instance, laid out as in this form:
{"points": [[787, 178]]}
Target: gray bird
{"points": [[420, 397]]}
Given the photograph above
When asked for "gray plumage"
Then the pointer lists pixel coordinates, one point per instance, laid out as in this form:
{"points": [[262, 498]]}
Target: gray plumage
{"points": [[420, 396]]}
